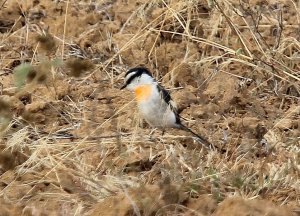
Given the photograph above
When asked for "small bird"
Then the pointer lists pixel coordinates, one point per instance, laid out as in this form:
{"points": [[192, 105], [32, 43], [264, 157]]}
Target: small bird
{"points": [[154, 102]]}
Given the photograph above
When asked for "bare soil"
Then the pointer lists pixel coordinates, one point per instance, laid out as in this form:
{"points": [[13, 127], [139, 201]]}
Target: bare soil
{"points": [[72, 143]]}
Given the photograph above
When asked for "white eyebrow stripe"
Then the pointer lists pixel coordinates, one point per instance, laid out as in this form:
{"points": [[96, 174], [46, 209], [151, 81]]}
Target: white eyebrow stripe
{"points": [[129, 75]]}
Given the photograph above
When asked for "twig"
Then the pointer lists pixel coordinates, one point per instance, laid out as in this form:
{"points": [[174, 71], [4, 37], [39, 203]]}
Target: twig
{"points": [[3, 4], [279, 29]]}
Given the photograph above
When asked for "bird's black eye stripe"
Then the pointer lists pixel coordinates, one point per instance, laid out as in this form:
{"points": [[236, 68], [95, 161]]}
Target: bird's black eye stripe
{"points": [[139, 70], [137, 73]]}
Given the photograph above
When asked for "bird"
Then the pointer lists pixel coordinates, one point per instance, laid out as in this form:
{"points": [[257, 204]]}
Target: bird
{"points": [[155, 103]]}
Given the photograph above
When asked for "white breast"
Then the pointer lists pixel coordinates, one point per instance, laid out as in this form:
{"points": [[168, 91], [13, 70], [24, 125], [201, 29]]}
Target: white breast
{"points": [[156, 111]]}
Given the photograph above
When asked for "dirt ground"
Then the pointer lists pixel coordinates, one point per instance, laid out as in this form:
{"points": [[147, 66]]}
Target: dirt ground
{"points": [[72, 143]]}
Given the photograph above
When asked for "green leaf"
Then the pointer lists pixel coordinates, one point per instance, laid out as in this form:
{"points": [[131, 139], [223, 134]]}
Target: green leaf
{"points": [[57, 62], [239, 51], [21, 72], [210, 3]]}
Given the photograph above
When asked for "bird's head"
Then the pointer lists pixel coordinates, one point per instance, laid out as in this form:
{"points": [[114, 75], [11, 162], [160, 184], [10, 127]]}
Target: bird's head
{"points": [[137, 77]]}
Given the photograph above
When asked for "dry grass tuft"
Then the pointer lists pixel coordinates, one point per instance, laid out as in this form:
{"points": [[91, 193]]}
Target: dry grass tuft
{"points": [[78, 66], [47, 42]]}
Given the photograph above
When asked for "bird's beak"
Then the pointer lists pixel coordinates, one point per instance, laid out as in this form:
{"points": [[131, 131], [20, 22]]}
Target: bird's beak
{"points": [[124, 86]]}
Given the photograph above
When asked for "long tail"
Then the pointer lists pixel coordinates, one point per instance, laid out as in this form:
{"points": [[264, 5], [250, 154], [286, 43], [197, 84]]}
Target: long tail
{"points": [[202, 140]]}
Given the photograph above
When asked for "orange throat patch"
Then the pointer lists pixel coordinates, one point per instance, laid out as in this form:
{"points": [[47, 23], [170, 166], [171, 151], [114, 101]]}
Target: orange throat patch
{"points": [[143, 92]]}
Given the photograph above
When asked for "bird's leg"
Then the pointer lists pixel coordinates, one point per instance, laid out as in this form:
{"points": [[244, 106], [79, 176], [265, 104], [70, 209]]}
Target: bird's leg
{"points": [[162, 135], [151, 133]]}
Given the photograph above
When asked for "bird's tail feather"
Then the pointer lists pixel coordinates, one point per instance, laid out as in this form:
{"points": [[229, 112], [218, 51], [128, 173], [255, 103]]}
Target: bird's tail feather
{"points": [[202, 140]]}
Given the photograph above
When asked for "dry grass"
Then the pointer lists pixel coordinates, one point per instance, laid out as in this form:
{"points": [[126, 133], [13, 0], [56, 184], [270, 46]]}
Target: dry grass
{"points": [[78, 141]]}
